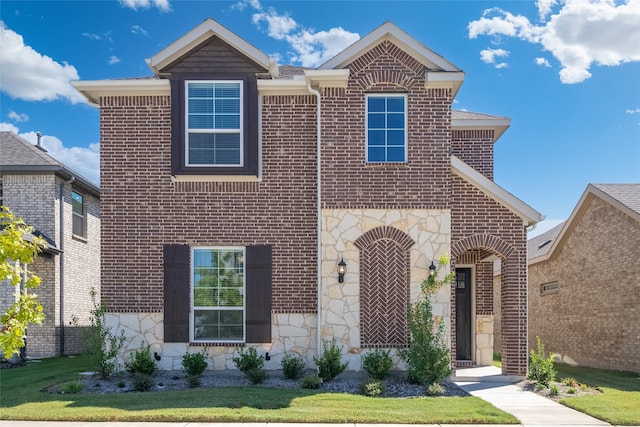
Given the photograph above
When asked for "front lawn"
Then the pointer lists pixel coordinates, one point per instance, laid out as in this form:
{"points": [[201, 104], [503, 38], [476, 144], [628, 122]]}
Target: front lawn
{"points": [[21, 398], [619, 404]]}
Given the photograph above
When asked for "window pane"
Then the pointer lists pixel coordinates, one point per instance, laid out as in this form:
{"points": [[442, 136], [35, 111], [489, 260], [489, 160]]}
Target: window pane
{"points": [[214, 149], [200, 90], [376, 137], [376, 121], [199, 106], [228, 106], [77, 203], [211, 325], [395, 104], [198, 121], [376, 154], [227, 121], [205, 297], [395, 154], [395, 137], [395, 121], [227, 90], [377, 104]]}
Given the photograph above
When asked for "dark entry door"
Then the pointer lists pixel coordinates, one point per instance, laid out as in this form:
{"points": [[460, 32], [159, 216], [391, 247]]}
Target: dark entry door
{"points": [[463, 314]]}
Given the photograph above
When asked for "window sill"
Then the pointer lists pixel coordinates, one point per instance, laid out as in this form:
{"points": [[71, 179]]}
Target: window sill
{"points": [[215, 178], [79, 238], [216, 344]]}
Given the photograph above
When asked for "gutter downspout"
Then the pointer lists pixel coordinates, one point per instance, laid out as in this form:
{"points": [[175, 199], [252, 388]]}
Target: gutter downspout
{"points": [[62, 185], [319, 211]]}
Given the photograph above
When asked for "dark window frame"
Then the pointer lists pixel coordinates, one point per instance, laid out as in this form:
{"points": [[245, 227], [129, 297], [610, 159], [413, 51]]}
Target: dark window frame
{"points": [[250, 144], [77, 216]]}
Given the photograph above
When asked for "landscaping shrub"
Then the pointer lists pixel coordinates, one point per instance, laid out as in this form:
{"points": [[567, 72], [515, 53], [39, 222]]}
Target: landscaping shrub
{"points": [[71, 387], [142, 382], [292, 366], [249, 363], [434, 389], [541, 368], [311, 381], [329, 363], [553, 390], [373, 388], [378, 363], [194, 364], [141, 361]]}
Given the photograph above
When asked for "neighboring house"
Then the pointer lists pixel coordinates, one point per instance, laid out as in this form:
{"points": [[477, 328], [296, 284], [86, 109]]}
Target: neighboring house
{"points": [[233, 188], [32, 184], [584, 281]]}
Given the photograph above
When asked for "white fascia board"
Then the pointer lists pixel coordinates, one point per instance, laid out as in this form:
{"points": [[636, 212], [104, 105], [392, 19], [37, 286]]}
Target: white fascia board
{"points": [[198, 35], [328, 78], [499, 125], [282, 87], [529, 215], [94, 89], [389, 31], [444, 79]]}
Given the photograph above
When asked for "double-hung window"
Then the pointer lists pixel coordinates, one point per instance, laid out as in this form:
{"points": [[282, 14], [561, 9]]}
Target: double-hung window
{"points": [[214, 123], [218, 294], [386, 122], [79, 218]]}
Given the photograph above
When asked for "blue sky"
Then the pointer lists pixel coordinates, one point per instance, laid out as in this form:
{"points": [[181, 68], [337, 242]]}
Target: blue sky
{"points": [[567, 72]]}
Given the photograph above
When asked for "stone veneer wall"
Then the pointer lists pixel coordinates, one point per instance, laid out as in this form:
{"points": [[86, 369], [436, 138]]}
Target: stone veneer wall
{"points": [[340, 316]]}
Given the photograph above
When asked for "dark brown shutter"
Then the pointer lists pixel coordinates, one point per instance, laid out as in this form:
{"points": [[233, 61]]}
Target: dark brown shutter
{"points": [[176, 293], [258, 288]]}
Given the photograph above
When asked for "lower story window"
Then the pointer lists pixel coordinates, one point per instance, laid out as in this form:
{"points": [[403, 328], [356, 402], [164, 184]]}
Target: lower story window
{"points": [[218, 294]]}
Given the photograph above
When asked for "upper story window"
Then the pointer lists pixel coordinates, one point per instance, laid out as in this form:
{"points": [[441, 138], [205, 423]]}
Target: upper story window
{"points": [[214, 136], [79, 214], [386, 122], [218, 299]]}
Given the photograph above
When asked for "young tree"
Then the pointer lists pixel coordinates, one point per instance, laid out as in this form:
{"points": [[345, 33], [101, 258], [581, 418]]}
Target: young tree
{"points": [[16, 251]]}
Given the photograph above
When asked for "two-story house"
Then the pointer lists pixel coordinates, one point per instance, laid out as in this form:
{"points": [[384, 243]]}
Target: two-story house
{"points": [[233, 189], [64, 208]]}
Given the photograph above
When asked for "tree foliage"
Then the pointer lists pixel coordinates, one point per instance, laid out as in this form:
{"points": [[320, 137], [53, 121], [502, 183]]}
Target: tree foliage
{"points": [[16, 251]]}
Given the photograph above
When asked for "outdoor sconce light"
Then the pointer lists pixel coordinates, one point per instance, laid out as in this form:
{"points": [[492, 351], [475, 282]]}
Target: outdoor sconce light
{"points": [[432, 269], [342, 268]]}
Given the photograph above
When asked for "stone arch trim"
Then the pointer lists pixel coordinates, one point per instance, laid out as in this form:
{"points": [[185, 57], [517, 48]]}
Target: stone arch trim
{"points": [[482, 241], [384, 287], [384, 232]]}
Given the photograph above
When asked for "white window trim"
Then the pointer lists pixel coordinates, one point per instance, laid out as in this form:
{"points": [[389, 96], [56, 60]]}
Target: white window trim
{"points": [[406, 125], [83, 216], [187, 130], [244, 293]]}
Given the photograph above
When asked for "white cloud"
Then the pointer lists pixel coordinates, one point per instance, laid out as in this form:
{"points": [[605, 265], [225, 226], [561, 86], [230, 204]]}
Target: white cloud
{"points": [[309, 47], [163, 5], [113, 60], [31, 76], [633, 111], [92, 36], [137, 29], [83, 160], [579, 33], [18, 117], [543, 62], [489, 56]]}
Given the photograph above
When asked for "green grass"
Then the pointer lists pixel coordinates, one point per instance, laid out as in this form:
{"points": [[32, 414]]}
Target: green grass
{"points": [[620, 402], [21, 399], [497, 360]]}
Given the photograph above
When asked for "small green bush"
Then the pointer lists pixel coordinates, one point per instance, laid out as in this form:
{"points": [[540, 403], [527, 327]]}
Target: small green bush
{"points": [[553, 390], [541, 368], [194, 364], [311, 381], [142, 382], [122, 384], [252, 365], [329, 364], [434, 389], [378, 363], [373, 388], [292, 366], [570, 382], [71, 387], [193, 381], [141, 361], [571, 390]]}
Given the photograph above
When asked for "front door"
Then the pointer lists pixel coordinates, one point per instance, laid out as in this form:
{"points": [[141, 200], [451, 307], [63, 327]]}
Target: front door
{"points": [[463, 314]]}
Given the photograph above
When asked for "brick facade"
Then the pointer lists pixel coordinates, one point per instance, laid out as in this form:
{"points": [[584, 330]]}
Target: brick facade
{"points": [[36, 199], [594, 317]]}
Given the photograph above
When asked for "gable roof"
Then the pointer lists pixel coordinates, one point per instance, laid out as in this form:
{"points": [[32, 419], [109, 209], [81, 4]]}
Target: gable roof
{"points": [[492, 190], [469, 120], [624, 197], [20, 156], [541, 245], [201, 33]]}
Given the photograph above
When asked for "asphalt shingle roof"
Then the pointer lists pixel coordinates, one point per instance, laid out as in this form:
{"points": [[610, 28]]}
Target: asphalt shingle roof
{"points": [[627, 194], [16, 151]]}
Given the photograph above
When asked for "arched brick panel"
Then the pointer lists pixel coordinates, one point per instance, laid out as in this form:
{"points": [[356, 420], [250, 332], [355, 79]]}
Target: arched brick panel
{"points": [[384, 287], [482, 241]]}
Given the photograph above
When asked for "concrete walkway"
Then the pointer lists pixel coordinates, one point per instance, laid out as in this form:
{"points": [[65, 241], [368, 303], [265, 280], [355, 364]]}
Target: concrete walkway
{"points": [[487, 383]]}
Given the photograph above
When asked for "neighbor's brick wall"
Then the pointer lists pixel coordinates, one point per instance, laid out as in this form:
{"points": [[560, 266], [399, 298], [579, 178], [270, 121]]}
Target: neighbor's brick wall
{"points": [[44, 340], [478, 222], [143, 209], [594, 319], [32, 198], [350, 182]]}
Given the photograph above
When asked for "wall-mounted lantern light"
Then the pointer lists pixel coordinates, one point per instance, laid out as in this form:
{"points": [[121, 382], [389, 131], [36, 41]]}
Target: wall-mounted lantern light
{"points": [[432, 269], [342, 268]]}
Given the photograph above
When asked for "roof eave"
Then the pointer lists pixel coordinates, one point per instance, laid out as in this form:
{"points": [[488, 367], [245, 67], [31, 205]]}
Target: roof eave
{"points": [[92, 90], [529, 215], [499, 125]]}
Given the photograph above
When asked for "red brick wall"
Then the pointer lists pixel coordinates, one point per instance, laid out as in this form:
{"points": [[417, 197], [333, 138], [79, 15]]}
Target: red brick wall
{"points": [[144, 209], [475, 148]]}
